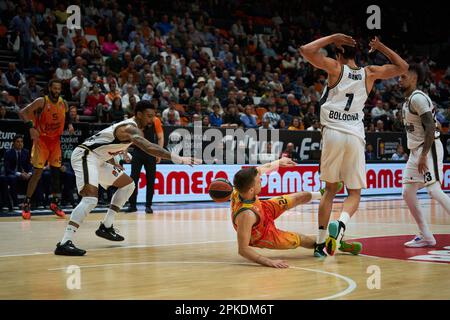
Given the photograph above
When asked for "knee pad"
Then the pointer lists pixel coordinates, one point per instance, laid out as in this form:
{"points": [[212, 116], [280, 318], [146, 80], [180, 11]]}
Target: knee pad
{"points": [[86, 205], [122, 195]]}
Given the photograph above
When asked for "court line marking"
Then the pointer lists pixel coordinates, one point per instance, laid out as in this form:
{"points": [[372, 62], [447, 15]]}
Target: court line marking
{"points": [[122, 247], [351, 283]]}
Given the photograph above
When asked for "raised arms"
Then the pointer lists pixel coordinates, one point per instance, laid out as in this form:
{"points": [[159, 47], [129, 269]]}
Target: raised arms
{"points": [[312, 54], [397, 67]]}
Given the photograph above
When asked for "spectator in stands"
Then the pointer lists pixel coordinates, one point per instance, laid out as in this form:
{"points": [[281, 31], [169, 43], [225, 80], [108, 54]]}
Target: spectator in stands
{"points": [[400, 154], [96, 104], [215, 117], [248, 119], [18, 168], [285, 116], [79, 87], [149, 93], [194, 119], [15, 79], [380, 126], [290, 152], [113, 63], [170, 116], [397, 125], [265, 124], [315, 126], [21, 27], [65, 36], [231, 118], [377, 110], [79, 39], [64, 74], [9, 102], [113, 93], [129, 111], [130, 70], [211, 100], [109, 46], [205, 122], [73, 114], [370, 154], [30, 91], [272, 116], [116, 113], [182, 92], [93, 55], [126, 97], [297, 124], [310, 116]]}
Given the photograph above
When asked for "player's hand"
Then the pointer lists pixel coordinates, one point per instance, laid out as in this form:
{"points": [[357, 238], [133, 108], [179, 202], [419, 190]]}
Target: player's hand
{"points": [[158, 160], [286, 162], [190, 161], [422, 164], [277, 264], [375, 44], [71, 129], [34, 134], [341, 39]]}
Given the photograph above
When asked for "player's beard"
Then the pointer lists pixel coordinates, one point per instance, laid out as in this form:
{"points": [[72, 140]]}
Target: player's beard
{"points": [[53, 97]]}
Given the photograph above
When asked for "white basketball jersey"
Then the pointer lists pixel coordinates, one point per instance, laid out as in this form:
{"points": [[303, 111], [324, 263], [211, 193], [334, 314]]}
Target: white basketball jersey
{"points": [[342, 105], [105, 144], [415, 105]]}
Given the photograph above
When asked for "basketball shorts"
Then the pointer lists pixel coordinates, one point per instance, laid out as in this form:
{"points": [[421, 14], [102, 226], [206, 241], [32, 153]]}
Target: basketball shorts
{"points": [[343, 159], [275, 238], [45, 150], [89, 169], [435, 165]]}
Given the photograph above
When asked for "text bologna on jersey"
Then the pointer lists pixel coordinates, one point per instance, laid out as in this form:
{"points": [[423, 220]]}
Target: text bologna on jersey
{"points": [[343, 116]]}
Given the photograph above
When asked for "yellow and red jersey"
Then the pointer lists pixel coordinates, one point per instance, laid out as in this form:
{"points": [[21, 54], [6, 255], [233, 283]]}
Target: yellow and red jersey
{"points": [[50, 121]]}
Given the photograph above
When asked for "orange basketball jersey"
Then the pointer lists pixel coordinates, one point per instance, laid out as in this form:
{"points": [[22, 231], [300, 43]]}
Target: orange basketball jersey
{"points": [[50, 121], [260, 229]]}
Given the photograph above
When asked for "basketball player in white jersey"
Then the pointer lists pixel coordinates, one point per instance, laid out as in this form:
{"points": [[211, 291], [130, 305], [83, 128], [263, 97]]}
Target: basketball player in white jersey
{"points": [[91, 165], [343, 137], [425, 164]]}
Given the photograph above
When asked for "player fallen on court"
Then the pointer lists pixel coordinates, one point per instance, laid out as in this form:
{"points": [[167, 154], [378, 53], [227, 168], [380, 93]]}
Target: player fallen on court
{"points": [[46, 118], [425, 164], [254, 219], [343, 136], [92, 167]]}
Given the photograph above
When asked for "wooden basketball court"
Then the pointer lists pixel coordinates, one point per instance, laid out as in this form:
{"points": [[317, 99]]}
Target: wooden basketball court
{"points": [[184, 253]]}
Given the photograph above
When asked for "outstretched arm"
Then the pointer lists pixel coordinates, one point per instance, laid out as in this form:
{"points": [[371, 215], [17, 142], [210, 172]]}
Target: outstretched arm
{"points": [[132, 133], [245, 221], [312, 54], [274, 165], [397, 67]]}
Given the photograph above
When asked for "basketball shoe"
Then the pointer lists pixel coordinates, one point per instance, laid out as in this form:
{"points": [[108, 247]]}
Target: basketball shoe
{"points": [[55, 207], [420, 241], [108, 233], [26, 211]]}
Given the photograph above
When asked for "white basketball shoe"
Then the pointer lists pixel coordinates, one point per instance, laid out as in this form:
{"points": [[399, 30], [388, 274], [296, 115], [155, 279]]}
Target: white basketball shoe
{"points": [[420, 241]]}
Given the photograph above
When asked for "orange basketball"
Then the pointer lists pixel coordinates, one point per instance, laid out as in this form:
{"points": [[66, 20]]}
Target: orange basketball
{"points": [[220, 190]]}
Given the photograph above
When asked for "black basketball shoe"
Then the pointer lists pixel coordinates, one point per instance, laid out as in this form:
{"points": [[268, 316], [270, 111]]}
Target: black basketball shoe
{"points": [[108, 233], [68, 249]]}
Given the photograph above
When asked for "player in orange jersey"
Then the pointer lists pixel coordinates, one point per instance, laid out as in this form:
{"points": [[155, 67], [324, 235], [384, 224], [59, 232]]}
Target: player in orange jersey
{"points": [[254, 219], [46, 118]]}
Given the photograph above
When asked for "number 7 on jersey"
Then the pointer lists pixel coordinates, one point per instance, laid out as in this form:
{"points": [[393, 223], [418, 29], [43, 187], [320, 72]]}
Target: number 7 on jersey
{"points": [[349, 101]]}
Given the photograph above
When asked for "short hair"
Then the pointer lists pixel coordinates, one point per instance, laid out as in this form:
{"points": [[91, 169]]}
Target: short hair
{"points": [[347, 53], [52, 81], [417, 69], [244, 179], [142, 105], [17, 136]]}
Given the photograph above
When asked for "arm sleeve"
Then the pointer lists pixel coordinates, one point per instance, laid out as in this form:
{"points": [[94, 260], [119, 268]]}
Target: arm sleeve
{"points": [[420, 104]]}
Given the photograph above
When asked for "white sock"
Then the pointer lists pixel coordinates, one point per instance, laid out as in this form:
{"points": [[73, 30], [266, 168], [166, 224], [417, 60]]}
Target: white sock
{"points": [[322, 235], [68, 234], [109, 218], [344, 218], [316, 196]]}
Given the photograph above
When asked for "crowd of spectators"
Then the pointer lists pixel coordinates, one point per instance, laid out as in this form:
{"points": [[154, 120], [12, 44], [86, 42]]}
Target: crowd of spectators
{"points": [[193, 62]]}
